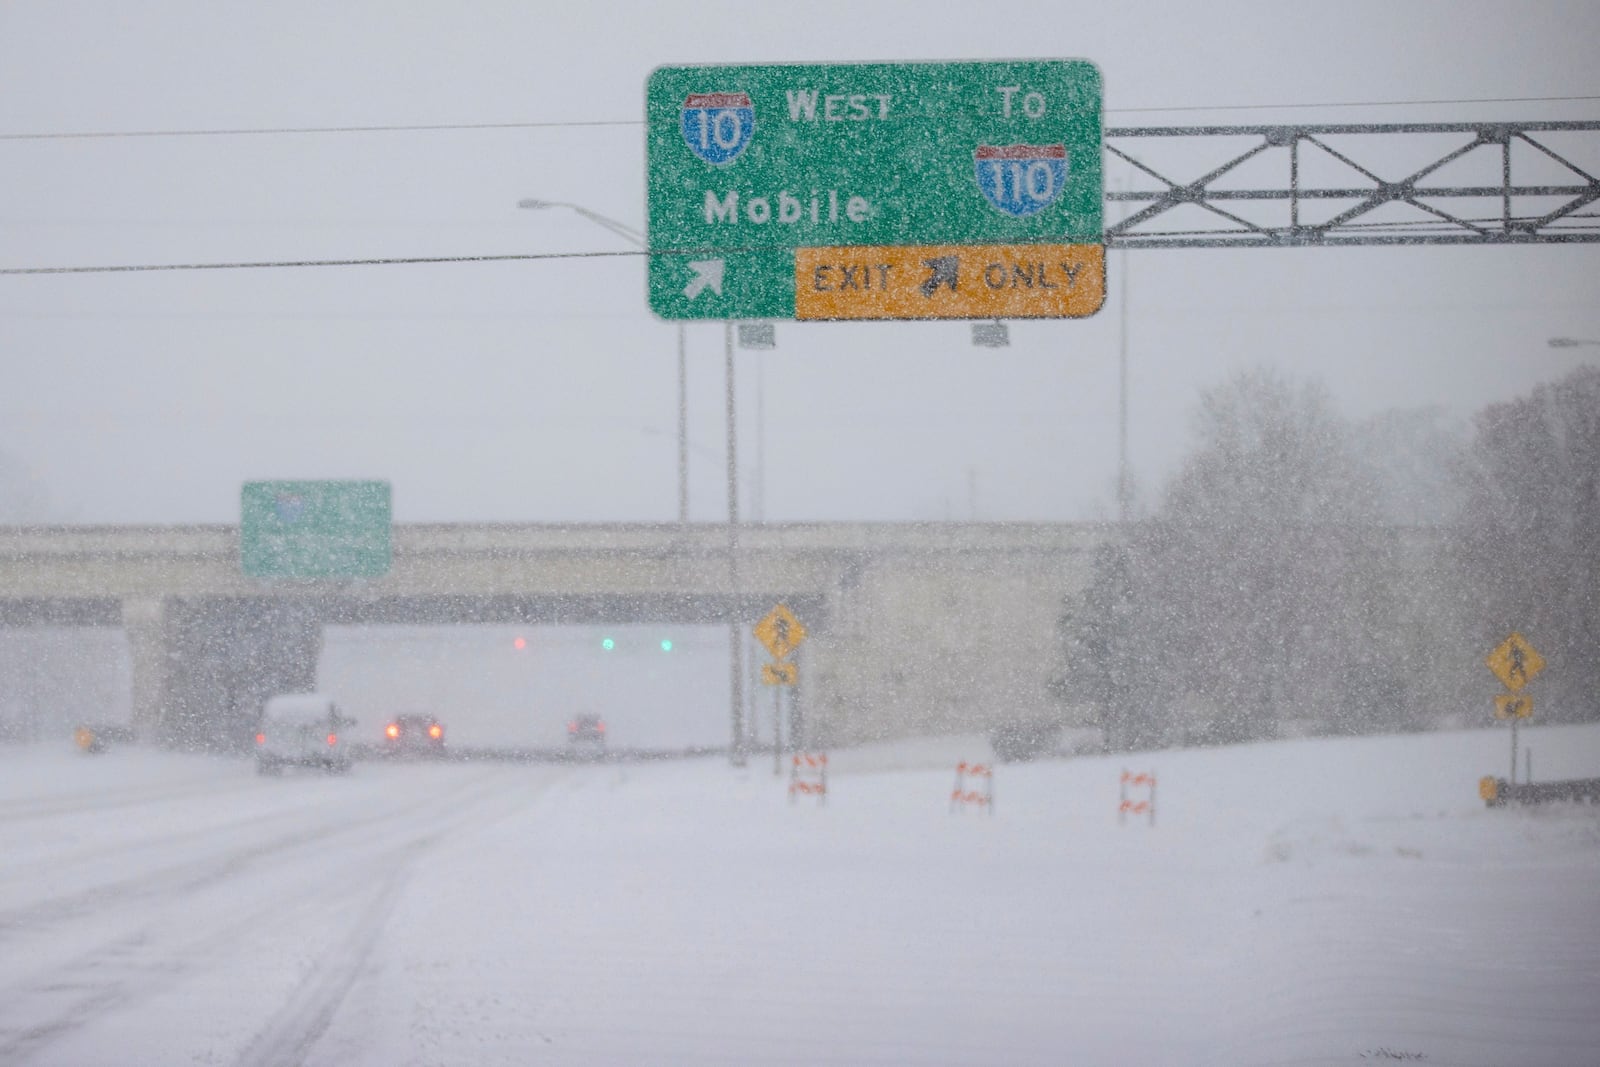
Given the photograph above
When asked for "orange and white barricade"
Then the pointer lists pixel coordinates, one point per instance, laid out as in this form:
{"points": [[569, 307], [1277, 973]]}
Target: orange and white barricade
{"points": [[808, 774], [1131, 806], [969, 778]]}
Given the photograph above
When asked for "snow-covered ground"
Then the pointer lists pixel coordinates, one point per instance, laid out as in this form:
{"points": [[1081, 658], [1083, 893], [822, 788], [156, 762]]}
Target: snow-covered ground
{"points": [[1304, 902]]}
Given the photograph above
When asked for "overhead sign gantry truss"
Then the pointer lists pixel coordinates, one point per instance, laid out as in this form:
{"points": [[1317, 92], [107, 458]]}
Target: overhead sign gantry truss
{"points": [[1462, 183]]}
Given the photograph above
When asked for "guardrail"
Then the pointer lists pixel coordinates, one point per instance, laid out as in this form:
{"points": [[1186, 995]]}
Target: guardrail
{"points": [[1497, 792]]}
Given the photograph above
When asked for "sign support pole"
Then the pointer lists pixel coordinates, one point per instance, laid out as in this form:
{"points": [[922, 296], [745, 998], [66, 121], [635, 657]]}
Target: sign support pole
{"points": [[777, 730], [683, 428], [1513, 778], [1124, 487], [781, 634], [1516, 663], [735, 634]]}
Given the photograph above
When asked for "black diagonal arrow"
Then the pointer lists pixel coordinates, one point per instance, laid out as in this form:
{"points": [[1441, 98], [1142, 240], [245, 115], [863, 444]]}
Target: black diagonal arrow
{"points": [[942, 270]]}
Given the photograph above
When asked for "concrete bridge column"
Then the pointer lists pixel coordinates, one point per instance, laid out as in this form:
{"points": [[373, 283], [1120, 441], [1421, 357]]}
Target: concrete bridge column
{"points": [[144, 620], [226, 656]]}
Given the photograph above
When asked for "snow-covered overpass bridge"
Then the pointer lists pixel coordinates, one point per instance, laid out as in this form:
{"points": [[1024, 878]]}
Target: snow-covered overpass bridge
{"points": [[911, 624]]}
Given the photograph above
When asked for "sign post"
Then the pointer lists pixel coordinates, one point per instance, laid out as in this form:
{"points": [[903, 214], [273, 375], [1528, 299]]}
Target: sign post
{"points": [[1516, 663], [781, 634], [876, 190]]}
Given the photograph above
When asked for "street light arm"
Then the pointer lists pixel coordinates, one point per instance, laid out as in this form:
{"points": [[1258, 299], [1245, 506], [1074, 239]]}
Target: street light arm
{"points": [[633, 236], [613, 225], [1571, 342], [621, 229]]}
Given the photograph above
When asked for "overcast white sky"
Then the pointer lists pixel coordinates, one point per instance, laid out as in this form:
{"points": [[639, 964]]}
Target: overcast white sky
{"points": [[545, 391]]}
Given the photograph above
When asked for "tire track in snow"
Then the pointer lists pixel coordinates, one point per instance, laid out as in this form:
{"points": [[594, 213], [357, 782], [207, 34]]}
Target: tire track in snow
{"points": [[300, 1023], [112, 977], [189, 876], [105, 853], [160, 954], [96, 802], [292, 1033]]}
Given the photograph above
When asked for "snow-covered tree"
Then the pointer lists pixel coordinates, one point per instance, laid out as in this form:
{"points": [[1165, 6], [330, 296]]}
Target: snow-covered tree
{"points": [[1529, 535], [1258, 592]]}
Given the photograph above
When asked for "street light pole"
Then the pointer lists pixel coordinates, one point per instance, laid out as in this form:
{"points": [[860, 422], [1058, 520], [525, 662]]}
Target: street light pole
{"points": [[628, 233]]}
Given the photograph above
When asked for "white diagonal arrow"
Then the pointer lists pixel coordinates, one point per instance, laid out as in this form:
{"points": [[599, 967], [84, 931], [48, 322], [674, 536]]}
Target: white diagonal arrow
{"points": [[707, 272]]}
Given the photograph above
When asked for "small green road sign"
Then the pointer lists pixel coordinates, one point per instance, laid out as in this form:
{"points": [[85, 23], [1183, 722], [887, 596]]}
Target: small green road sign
{"points": [[858, 166], [314, 529]]}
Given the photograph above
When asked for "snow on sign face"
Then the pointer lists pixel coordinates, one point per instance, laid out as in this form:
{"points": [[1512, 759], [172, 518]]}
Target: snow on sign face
{"points": [[857, 158], [718, 126]]}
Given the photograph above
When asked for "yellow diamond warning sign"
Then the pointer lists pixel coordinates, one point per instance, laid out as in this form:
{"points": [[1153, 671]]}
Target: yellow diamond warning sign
{"points": [[780, 632], [1515, 662], [1022, 281]]}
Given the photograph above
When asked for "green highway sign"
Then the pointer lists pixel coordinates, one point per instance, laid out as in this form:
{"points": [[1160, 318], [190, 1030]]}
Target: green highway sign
{"points": [[875, 190], [314, 529]]}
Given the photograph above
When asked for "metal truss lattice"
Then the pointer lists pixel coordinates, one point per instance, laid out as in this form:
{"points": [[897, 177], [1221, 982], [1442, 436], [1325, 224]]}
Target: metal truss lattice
{"points": [[1283, 186]]}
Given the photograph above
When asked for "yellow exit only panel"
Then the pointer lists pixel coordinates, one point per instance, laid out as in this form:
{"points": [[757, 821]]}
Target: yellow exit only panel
{"points": [[1018, 281]]}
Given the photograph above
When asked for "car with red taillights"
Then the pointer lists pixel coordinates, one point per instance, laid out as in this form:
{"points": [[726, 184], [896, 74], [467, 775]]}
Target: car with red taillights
{"points": [[586, 736], [413, 735], [302, 730]]}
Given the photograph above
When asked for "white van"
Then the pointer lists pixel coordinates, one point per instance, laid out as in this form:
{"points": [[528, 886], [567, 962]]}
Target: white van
{"points": [[302, 730]]}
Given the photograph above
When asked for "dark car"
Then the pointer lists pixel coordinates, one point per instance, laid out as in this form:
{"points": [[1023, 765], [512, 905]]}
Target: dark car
{"points": [[413, 735], [586, 732]]}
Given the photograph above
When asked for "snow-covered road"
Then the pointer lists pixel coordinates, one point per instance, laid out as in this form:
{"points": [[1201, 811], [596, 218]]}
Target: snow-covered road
{"points": [[1336, 901], [162, 909]]}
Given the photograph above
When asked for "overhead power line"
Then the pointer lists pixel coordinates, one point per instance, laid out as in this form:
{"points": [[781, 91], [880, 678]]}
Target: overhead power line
{"points": [[87, 135], [1529, 214], [254, 131], [133, 268]]}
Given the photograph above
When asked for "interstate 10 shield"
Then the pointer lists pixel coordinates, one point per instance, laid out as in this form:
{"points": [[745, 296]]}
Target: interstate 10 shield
{"points": [[718, 126], [1021, 179]]}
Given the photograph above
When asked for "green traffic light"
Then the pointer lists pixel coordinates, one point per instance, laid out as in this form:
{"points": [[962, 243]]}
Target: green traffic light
{"points": [[607, 644], [666, 644]]}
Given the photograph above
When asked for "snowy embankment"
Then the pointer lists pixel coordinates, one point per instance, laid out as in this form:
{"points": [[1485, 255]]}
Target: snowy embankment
{"points": [[1305, 902]]}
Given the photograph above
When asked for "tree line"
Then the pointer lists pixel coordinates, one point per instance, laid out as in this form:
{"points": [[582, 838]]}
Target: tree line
{"points": [[1307, 573]]}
